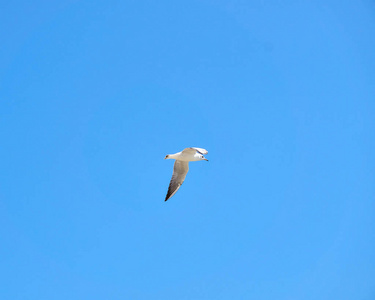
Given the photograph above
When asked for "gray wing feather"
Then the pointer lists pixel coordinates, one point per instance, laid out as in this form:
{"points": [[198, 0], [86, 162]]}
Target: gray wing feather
{"points": [[200, 150], [180, 170], [193, 150]]}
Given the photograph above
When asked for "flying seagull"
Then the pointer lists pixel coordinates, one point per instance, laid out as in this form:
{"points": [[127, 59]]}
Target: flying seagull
{"points": [[181, 167]]}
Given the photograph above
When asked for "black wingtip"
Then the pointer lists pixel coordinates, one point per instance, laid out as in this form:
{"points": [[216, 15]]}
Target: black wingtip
{"points": [[169, 195]]}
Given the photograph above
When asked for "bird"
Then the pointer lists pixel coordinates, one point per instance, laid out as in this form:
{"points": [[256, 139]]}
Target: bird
{"points": [[181, 167]]}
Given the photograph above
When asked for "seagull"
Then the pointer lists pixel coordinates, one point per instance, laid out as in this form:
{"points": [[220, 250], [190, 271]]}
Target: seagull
{"points": [[181, 167]]}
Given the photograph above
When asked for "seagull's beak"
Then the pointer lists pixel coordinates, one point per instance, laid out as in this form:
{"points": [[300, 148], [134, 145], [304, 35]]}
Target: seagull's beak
{"points": [[205, 159]]}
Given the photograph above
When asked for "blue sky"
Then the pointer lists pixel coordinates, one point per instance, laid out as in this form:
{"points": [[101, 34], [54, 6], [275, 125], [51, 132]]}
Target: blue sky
{"points": [[94, 94]]}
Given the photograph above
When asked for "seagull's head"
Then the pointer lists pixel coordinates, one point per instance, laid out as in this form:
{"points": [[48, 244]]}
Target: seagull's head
{"points": [[203, 158]]}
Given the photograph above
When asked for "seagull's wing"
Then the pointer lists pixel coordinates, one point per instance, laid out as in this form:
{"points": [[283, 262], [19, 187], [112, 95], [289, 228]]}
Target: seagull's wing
{"points": [[193, 150], [201, 150], [180, 170]]}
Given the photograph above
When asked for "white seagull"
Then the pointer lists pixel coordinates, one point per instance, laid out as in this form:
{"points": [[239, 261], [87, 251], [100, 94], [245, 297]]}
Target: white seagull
{"points": [[181, 167]]}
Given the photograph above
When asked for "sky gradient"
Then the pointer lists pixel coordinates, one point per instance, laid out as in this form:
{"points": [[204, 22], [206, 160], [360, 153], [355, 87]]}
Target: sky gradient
{"points": [[94, 94]]}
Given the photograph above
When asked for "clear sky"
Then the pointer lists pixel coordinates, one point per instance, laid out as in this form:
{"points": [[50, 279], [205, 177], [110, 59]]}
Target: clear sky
{"points": [[94, 94]]}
